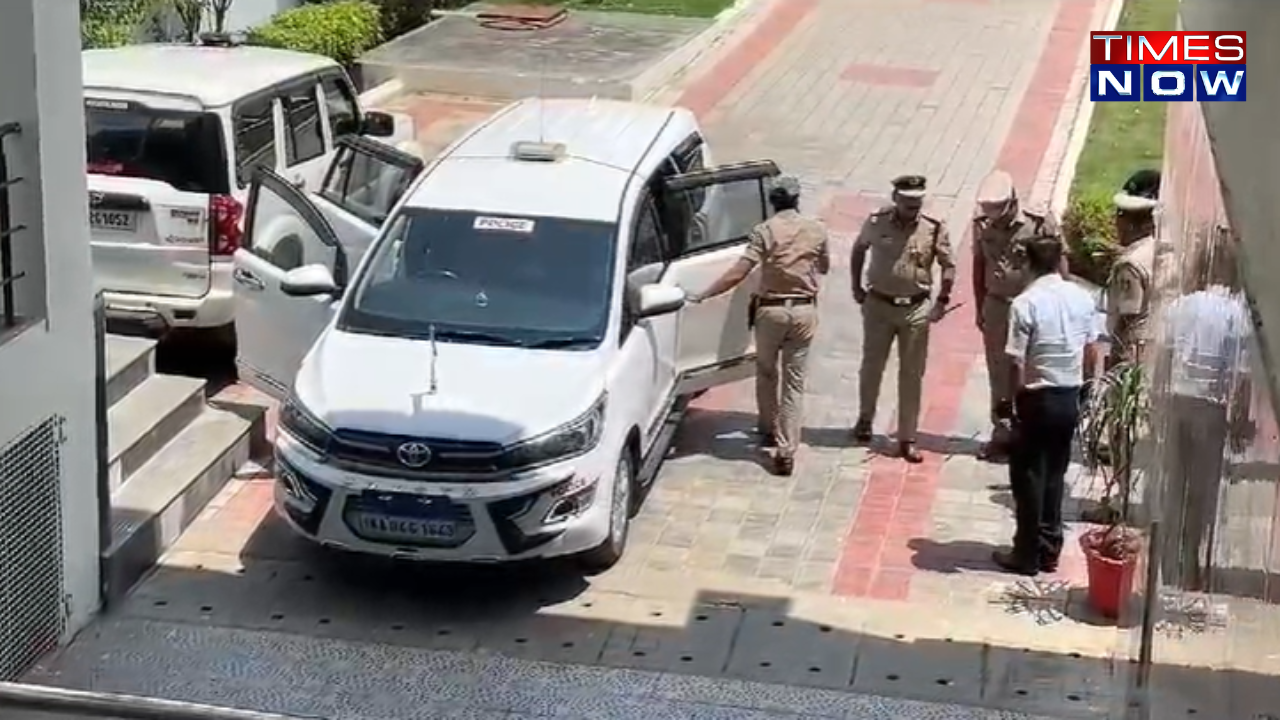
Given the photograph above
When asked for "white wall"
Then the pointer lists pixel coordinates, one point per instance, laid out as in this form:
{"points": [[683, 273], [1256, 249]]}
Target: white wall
{"points": [[49, 368], [1246, 143], [245, 14]]}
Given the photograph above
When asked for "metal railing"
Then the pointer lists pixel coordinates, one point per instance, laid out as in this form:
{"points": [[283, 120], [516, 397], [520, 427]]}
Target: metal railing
{"points": [[8, 313], [62, 703]]}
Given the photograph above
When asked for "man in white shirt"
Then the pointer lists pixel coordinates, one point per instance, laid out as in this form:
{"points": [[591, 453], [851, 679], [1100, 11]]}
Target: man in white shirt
{"points": [[1053, 328], [1207, 332]]}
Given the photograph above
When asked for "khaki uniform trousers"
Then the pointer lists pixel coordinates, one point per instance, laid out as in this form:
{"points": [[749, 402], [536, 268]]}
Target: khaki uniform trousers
{"points": [[783, 337], [995, 336], [882, 324]]}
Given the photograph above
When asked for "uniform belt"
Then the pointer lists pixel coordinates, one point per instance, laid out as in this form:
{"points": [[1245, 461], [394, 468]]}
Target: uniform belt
{"points": [[785, 301], [900, 300]]}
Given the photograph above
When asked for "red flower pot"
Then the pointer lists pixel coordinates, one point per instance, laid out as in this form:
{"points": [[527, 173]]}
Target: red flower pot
{"points": [[1110, 580]]}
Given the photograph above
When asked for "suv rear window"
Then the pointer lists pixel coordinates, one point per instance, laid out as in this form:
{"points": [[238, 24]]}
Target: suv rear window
{"points": [[182, 148]]}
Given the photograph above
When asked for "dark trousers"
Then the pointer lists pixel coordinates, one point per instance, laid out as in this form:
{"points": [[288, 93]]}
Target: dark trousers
{"points": [[1194, 458], [1043, 431]]}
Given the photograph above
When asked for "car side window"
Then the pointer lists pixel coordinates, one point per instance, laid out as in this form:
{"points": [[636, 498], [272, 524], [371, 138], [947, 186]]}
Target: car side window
{"points": [[253, 126], [646, 242], [646, 258], [689, 157], [303, 135], [340, 101]]}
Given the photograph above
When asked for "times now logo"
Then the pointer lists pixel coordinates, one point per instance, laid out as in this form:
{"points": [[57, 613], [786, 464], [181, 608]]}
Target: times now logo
{"points": [[1167, 66]]}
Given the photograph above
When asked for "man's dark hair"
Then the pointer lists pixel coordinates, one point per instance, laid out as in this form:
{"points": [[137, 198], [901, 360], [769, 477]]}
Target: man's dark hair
{"points": [[1044, 256], [783, 200]]}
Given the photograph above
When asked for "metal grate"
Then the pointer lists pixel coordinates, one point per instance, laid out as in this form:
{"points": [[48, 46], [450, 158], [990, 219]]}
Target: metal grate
{"points": [[31, 553], [8, 313]]}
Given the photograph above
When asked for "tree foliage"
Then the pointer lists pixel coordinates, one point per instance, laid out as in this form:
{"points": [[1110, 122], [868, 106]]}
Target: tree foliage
{"points": [[112, 23]]}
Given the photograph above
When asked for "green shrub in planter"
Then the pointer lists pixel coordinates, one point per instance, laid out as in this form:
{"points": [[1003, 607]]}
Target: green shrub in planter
{"points": [[1088, 226], [342, 30]]}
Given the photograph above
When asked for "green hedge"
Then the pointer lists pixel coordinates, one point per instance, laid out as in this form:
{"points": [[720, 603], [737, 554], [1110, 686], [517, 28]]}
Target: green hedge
{"points": [[342, 30], [1089, 227], [113, 23]]}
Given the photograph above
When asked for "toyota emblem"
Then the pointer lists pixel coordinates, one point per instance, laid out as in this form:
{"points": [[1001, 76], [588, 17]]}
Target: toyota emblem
{"points": [[96, 198], [413, 454]]}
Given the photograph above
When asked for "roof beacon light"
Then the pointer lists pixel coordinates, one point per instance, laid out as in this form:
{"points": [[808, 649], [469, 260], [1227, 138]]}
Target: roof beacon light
{"points": [[538, 151]]}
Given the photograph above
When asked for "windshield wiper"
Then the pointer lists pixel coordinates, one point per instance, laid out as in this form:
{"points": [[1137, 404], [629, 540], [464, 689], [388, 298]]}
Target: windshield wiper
{"points": [[555, 343], [477, 336]]}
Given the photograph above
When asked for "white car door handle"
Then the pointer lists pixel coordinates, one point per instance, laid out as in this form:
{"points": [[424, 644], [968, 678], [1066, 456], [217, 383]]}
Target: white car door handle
{"points": [[300, 183], [248, 279]]}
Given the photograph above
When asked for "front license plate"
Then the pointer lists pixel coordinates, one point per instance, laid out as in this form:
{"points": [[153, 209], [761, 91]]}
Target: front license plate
{"points": [[114, 220], [393, 529]]}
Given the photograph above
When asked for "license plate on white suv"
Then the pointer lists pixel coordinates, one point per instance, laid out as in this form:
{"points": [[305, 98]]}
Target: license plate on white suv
{"points": [[398, 529], [113, 220]]}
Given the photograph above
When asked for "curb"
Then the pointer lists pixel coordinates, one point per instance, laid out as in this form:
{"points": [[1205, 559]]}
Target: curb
{"points": [[1079, 131], [722, 32]]}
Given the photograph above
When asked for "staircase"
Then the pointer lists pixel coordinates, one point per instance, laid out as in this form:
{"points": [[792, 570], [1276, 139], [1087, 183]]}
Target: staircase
{"points": [[169, 453]]}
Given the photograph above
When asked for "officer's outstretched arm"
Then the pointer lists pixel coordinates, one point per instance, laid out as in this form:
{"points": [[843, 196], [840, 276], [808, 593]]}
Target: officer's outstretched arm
{"points": [[728, 281]]}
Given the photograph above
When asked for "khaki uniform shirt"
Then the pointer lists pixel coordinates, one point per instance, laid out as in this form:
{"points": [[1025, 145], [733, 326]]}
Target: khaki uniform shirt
{"points": [[1129, 291], [902, 255], [1004, 250], [791, 250]]}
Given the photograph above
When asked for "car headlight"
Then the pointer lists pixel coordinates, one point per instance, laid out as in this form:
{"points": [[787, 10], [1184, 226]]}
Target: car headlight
{"points": [[303, 426], [569, 440]]}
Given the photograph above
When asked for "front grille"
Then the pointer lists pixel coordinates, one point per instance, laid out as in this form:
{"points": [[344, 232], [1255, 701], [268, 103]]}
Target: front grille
{"points": [[32, 618], [376, 453]]}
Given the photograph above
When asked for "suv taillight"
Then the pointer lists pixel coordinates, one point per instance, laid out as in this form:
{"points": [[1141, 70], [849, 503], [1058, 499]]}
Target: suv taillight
{"points": [[225, 213]]}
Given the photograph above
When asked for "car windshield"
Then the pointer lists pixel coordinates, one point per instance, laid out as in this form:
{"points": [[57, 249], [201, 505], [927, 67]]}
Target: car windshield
{"points": [[530, 282], [180, 147]]}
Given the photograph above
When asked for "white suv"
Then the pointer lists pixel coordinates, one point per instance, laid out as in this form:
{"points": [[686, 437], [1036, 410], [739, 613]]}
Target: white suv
{"points": [[495, 372], [173, 134]]}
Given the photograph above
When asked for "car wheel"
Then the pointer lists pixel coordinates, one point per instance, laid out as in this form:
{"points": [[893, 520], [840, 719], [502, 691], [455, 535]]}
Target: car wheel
{"points": [[608, 553]]}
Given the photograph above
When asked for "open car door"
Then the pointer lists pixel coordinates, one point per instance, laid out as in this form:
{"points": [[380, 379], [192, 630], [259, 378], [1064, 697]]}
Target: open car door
{"points": [[286, 229], [283, 231], [713, 211], [365, 181]]}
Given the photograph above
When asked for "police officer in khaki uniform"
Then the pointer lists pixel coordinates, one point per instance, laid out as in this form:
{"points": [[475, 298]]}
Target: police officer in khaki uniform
{"points": [[1131, 285], [791, 250], [1002, 231], [904, 244]]}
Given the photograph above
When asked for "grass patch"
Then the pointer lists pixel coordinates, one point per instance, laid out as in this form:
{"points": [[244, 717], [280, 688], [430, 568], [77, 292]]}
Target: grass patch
{"points": [[1125, 136], [684, 8]]}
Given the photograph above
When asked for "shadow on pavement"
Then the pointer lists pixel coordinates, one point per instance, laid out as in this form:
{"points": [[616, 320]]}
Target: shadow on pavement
{"points": [[701, 649]]}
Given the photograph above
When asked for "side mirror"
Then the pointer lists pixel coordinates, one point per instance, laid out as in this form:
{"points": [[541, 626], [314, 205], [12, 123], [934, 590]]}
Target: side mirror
{"points": [[659, 300], [378, 124], [308, 281]]}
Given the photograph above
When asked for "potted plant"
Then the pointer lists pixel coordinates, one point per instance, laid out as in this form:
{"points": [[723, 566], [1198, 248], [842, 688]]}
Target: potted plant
{"points": [[1114, 419]]}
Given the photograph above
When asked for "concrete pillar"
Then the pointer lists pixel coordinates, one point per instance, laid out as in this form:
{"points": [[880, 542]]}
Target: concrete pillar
{"points": [[47, 367]]}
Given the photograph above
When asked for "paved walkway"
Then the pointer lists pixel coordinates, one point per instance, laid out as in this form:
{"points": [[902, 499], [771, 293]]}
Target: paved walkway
{"points": [[858, 578]]}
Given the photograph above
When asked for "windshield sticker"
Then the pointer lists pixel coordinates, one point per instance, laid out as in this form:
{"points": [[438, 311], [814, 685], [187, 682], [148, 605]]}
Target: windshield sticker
{"points": [[515, 225]]}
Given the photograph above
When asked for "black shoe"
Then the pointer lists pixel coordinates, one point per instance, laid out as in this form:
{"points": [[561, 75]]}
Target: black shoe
{"points": [[1048, 565], [862, 431], [994, 452], [784, 466], [909, 453], [1011, 563]]}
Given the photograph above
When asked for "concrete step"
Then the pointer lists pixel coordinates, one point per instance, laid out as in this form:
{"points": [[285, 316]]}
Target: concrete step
{"points": [[166, 494], [130, 361], [146, 419]]}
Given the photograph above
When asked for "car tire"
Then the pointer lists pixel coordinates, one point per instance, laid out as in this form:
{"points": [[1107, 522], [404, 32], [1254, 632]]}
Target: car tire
{"points": [[608, 553]]}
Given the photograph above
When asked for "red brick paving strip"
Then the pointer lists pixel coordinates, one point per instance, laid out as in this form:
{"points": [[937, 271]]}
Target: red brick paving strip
{"points": [[714, 85], [897, 506]]}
